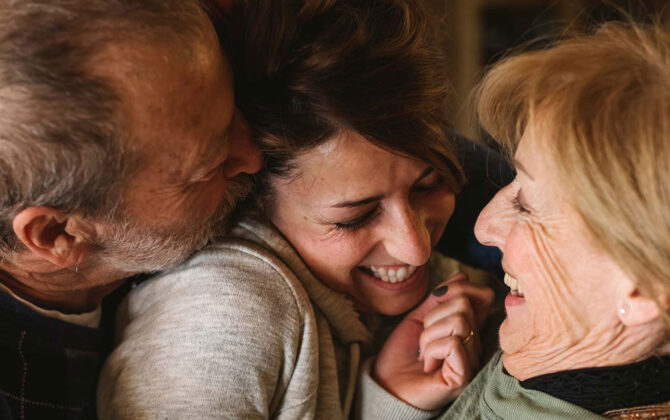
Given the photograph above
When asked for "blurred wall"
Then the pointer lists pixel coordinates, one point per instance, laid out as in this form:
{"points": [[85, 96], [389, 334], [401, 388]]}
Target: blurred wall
{"points": [[478, 32]]}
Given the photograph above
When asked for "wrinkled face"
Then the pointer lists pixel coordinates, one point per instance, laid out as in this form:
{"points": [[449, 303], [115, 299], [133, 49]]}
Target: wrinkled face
{"points": [[364, 220], [194, 147], [566, 286]]}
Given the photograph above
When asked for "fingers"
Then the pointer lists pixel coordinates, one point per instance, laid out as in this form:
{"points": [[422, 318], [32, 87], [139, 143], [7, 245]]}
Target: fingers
{"points": [[458, 305], [401, 346], [450, 354], [456, 372], [457, 326], [436, 297], [480, 298], [473, 350], [459, 284]]}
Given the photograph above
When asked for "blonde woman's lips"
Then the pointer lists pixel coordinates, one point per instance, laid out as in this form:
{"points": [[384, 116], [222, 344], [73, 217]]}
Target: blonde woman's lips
{"points": [[515, 296]]}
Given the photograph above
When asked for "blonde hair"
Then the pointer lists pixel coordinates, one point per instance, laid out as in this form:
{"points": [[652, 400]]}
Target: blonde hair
{"points": [[604, 101]]}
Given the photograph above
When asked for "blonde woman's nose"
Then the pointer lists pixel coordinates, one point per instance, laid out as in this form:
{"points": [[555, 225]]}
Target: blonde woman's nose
{"points": [[492, 228]]}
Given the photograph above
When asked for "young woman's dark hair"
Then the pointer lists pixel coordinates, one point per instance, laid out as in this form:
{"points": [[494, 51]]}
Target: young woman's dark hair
{"points": [[309, 69]]}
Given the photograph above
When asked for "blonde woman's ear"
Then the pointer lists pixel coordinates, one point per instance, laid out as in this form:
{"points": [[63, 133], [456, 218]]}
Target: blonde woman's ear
{"points": [[638, 309]]}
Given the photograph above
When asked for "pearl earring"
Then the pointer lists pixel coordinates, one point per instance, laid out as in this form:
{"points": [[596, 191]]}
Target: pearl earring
{"points": [[623, 310]]}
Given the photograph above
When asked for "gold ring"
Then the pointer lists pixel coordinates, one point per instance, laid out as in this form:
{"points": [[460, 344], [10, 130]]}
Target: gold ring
{"points": [[468, 337]]}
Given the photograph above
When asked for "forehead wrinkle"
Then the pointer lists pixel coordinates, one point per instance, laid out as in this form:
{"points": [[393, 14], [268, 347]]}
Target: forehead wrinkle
{"points": [[310, 167]]}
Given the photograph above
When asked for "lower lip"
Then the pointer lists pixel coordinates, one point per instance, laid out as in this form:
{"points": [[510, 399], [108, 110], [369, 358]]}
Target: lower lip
{"points": [[512, 300], [405, 284]]}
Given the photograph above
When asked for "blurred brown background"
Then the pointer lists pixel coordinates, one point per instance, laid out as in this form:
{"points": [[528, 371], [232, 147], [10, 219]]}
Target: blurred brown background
{"points": [[480, 31]]}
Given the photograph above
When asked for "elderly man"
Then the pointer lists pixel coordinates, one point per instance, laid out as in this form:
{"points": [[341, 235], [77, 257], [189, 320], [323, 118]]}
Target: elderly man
{"points": [[120, 150]]}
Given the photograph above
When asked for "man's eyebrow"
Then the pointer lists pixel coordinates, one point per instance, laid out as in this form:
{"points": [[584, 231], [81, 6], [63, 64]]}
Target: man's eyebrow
{"points": [[214, 152], [523, 169]]}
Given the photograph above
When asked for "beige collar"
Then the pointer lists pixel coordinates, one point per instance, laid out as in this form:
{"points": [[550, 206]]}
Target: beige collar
{"points": [[87, 319]]}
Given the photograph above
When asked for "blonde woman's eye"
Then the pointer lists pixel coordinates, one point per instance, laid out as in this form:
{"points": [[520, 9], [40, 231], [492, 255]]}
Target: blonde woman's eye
{"points": [[518, 206]]}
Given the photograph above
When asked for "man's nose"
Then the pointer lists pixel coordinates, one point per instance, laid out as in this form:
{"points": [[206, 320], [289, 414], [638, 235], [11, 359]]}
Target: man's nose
{"points": [[493, 226], [244, 155], [408, 238]]}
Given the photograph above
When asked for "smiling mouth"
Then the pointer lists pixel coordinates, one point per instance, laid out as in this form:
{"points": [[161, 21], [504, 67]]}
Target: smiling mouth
{"points": [[391, 275], [514, 285]]}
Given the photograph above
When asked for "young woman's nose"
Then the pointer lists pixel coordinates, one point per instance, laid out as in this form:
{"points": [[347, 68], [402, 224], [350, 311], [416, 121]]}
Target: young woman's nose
{"points": [[244, 155], [494, 224], [408, 238]]}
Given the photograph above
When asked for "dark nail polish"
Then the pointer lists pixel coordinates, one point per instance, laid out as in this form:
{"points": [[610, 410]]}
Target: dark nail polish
{"points": [[440, 290]]}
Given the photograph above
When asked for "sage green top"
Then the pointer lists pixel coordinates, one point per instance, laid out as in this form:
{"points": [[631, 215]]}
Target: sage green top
{"points": [[494, 394]]}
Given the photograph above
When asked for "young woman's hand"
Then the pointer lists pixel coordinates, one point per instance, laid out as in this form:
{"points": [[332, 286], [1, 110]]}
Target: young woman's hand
{"points": [[434, 352]]}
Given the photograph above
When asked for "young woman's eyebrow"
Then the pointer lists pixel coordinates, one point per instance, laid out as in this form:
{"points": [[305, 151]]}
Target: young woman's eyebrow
{"points": [[360, 202], [429, 170], [368, 200]]}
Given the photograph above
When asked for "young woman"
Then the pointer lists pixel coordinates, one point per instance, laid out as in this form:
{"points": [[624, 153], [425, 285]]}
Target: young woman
{"points": [[336, 248]]}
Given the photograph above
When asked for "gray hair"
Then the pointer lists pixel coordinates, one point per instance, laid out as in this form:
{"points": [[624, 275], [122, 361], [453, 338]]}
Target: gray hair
{"points": [[61, 135]]}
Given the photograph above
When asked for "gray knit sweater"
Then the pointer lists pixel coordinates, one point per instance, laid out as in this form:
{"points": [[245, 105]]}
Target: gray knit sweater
{"points": [[495, 395], [244, 330]]}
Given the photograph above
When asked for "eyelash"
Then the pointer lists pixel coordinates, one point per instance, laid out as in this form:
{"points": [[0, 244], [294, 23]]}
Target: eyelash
{"points": [[358, 223], [518, 206], [364, 220], [436, 185]]}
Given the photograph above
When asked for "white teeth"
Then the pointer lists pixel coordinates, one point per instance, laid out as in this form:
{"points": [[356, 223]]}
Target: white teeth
{"points": [[391, 275], [514, 285]]}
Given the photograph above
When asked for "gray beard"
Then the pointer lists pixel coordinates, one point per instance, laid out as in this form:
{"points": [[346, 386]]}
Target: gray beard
{"points": [[133, 248]]}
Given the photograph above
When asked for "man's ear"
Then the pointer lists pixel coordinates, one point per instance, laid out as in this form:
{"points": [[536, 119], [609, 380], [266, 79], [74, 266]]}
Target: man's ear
{"points": [[61, 239], [637, 309]]}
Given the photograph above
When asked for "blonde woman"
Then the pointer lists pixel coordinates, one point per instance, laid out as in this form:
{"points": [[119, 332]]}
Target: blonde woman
{"points": [[584, 230]]}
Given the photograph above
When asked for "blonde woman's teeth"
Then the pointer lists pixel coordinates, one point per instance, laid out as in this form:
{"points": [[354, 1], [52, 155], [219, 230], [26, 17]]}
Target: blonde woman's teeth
{"points": [[514, 285], [393, 275]]}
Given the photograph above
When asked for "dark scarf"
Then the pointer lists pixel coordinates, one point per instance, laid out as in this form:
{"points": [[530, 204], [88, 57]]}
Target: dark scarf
{"points": [[609, 388]]}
